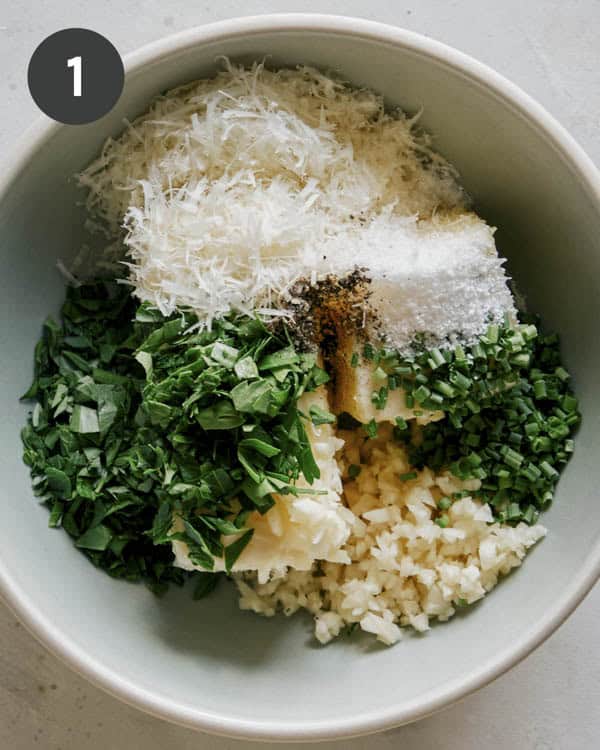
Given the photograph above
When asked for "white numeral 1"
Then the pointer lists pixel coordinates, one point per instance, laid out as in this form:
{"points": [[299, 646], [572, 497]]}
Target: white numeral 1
{"points": [[75, 63]]}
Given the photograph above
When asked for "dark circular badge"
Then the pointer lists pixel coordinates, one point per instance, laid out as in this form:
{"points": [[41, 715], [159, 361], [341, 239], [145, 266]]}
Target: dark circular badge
{"points": [[75, 76]]}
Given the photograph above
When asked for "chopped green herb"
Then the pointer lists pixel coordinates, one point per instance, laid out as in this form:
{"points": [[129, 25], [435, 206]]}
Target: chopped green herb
{"points": [[371, 428], [320, 416], [407, 476], [510, 416], [176, 425], [96, 538], [380, 397], [353, 471], [235, 549], [246, 368], [204, 583], [444, 503], [368, 352], [83, 419]]}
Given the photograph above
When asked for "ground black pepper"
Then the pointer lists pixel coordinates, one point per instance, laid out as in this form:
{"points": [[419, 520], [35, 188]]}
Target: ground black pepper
{"points": [[331, 310]]}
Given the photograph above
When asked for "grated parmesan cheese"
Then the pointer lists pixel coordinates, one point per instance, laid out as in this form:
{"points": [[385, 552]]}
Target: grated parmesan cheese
{"points": [[229, 190]]}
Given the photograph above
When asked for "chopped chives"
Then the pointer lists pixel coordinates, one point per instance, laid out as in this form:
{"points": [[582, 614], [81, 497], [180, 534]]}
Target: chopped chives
{"points": [[474, 459], [509, 412], [492, 334], [353, 471], [437, 358], [473, 406], [380, 397], [569, 403], [462, 382], [541, 444], [516, 341], [512, 457], [548, 470], [444, 388], [513, 512], [478, 352], [406, 477], [531, 472], [521, 360], [368, 352], [371, 428]]}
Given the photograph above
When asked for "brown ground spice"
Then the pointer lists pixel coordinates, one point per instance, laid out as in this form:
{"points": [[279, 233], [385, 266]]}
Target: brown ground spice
{"points": [[331, 310]]}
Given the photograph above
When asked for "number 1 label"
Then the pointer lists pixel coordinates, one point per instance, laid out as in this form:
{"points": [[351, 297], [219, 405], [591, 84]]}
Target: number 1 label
{"points": [[75, 76], [75, 63]]}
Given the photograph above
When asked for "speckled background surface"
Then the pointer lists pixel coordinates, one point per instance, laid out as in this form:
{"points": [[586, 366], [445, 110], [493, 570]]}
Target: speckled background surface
{"points": [[551, 700]]}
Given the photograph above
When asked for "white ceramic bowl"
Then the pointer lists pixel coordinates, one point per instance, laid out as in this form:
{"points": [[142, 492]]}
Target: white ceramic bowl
{"points": [[208, 665]]}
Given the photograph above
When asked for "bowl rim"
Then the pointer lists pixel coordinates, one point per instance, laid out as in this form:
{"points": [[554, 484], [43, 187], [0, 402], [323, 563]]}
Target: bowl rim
{"points": [[385, 718]]}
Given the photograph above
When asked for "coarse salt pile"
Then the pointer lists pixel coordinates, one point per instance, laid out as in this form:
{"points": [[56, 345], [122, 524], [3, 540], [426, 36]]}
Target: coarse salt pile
{"points": [[229, 190], [441, 278], [405, 569]]}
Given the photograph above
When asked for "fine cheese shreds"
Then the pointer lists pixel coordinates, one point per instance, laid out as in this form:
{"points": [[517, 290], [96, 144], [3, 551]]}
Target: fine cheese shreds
{"points": [[405, 569], [231, 189]]}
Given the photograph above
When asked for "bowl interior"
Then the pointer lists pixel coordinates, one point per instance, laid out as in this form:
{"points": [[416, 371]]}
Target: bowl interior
{"points": [[208, 662]]}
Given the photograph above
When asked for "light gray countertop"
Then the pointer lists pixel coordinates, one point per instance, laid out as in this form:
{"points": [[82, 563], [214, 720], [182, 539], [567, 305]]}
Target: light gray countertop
{"points": [[550, 701]]}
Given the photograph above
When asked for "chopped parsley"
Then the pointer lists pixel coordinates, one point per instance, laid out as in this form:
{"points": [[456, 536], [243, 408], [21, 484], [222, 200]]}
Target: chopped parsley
{"points": [[143, 425]]}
